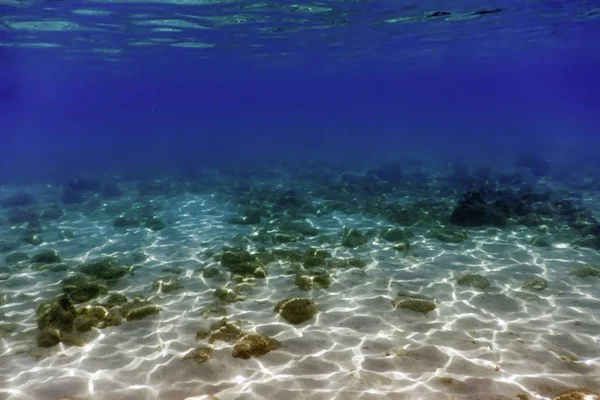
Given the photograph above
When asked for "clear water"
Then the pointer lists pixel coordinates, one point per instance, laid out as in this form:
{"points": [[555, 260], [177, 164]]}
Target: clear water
{"points": [[165, 165]]}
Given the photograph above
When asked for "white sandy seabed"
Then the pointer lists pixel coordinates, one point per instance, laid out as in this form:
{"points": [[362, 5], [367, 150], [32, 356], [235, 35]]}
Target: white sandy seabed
{"points": [[494, 344]]}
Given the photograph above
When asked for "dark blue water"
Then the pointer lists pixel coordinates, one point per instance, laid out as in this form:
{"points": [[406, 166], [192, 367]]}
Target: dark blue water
{"points": [[285, 83]]}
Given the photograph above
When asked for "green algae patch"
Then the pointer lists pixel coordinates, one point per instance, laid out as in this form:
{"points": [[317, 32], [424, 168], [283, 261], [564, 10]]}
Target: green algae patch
{"points": [[586, 272], [82, 288], [138, 309], [253, 345], [200, 354], [474, 280], [225, 331], [414, 302], [535, 283], [353, 238], [228, 295], [46, 257], [242, 262], [396, 235], [296, 310], [108, 269]]}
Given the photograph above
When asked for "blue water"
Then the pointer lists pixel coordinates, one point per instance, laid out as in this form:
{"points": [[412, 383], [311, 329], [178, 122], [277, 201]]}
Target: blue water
{"points": [[341, 115]]}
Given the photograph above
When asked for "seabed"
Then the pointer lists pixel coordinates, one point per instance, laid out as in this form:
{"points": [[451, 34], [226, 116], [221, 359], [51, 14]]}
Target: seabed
{"points": [[400, 281]]}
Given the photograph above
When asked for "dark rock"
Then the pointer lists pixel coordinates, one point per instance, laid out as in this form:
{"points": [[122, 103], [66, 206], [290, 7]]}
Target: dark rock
{"points": [[473, 211], [48, 256]]}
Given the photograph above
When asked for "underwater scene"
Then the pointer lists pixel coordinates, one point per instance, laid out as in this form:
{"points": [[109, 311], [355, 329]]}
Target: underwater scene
{"points": [[329, 200]]}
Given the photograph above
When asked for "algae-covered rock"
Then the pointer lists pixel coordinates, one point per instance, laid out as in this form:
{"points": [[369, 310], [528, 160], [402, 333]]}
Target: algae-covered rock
{"points": [[228, 295], [312, 262], [166, 285], [304, 282], [200, 354], [396, 235], [254, 346], [210, 272], [474, 280], [535, 283], [416, 305], [106, 268], [241, 262], [48, 337], [154, 224], [353, 238], [47, 257], [114, 300], [586, 272], [539, 241], [296, 310], [59, 314], [323, 280], [81, 288], [415, 302], [250, 217], [402, 246], [138, 309], [225, 331]]}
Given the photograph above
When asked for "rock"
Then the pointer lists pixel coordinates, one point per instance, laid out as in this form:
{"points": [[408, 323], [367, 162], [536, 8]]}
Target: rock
{"points": [[474, 280], [48, 337], [138, 309], [353, 238], [304, 282], [154, 224], [115, 299], [473, 211], [250, 217], [225, 331], [106, 268], [415, 302], [535, 283], [580, 394], [228, 295], [539, 242], [81, 289], [59, 314], [47, 257], [241, 262], [200, 354], [586, 272], [323, 280], [449, 235], [254, 346], [296, 310], [396, 235], [416, 305], [402, 246], [210, 272]]}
